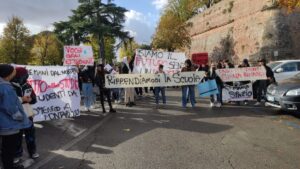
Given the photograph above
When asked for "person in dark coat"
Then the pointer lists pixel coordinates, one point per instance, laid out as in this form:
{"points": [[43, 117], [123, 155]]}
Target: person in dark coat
{"points": [[100, 82], [86, 76]]}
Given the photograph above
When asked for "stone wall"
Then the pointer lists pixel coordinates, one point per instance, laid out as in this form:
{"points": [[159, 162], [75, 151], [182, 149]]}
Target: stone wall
{"points": [[258, 29]]}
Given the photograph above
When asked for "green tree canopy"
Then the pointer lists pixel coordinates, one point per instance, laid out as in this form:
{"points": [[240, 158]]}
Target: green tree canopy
{"points": [[16, 42], [93, 18], [47, 49]]}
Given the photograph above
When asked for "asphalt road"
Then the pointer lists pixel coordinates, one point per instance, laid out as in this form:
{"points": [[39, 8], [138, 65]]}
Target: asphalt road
{"points": [[142, 137]]}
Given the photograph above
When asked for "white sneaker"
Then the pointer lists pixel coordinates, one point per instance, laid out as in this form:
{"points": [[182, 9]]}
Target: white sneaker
{"points": [[92, 107], [35, 156], [218, 105], [212, 104], [85, 109], [116, 101], [17, 160], [257, 104]]}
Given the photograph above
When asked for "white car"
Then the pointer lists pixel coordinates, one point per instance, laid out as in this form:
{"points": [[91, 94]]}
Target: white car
{"points": [[285, 69]]}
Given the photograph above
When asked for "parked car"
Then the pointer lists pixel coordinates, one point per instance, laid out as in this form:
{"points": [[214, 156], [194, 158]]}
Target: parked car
{"points": [[285, 95], [285, 69]]}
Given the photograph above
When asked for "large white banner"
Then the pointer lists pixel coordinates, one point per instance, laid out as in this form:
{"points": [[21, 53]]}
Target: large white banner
{"points": [[147, 61], [237, 93], [152, 80], [57, 91], [78, 55], [242, 74]]}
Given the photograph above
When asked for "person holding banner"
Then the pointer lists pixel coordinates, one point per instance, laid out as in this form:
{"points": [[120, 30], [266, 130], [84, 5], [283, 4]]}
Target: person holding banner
{"points": [[87, 78], [263, 84], [100, 81], [215, 100], [12, 117], [190, 89], [129, 92], [161, 90], [24, 89]]}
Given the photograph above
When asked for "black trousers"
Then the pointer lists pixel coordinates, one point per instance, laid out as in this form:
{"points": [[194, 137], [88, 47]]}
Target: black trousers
{"points": [[29, 138], [139, 91], [262, 89], [9, 148], [107, 94]]}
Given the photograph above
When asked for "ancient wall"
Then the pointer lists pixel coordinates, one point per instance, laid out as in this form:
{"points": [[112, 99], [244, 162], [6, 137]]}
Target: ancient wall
{"points": [[258, 29]]}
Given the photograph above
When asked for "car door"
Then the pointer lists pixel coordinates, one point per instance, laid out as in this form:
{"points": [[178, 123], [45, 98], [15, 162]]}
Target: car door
{"points": [[288, 70]]}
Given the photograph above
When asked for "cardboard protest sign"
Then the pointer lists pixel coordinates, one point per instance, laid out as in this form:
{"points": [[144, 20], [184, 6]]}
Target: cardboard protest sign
{"points": [[208, 88], [237, 93], [152, 80], [147, 61], [57, 91], [242, 74], [78, 55], [200, 58]]}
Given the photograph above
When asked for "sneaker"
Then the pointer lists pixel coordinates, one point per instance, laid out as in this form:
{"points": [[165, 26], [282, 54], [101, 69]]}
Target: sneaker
{"points": [[245, 103], [112, 111], [17, 160], [92, 107], [116, 102], [257, 104], [212, 104], [218, 105], [85, 109], [35, 156]]}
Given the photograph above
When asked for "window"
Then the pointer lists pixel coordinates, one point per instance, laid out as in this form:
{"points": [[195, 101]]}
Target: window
{"points": [[290, 67]]}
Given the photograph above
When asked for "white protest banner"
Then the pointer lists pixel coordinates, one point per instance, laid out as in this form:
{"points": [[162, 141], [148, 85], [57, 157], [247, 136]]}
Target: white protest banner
{"points": [[153, 80], [147, 61], [237, 93], [78, 55], [242, 74], [57, 91]]}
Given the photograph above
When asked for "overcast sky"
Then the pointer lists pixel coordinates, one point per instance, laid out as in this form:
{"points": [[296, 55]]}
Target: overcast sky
{"points": [[39, 15]]}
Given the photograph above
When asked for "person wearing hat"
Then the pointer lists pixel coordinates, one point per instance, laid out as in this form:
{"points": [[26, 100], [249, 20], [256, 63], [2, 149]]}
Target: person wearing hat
{"points": [[24, 89], [12, 116], [263, 84]]}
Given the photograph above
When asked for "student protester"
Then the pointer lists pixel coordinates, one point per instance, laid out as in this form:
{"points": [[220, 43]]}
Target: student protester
{"points": [[22, 89], [100, 82], [263, 84], [12, 117], [87, 77], [188, 88], [228, 64], [161, 90], [116, 92], [129, 92], [215, 100], [245, 63]]}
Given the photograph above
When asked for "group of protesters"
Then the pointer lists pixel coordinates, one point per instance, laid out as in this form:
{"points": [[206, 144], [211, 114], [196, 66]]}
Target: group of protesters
{"points": [[17, 96]]}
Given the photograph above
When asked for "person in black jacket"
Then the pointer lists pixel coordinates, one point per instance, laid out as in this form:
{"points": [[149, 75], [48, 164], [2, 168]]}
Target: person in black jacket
{"points": [[86, 76], [24, 89], [100, 82], [263, 84]]}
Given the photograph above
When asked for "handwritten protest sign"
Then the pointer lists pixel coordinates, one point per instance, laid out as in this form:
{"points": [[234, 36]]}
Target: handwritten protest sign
{"points": [[78, 55], [147, 61], [200, 58], [237, 93], [208, 88], [242, 74], [153, 80], [57, 91]]}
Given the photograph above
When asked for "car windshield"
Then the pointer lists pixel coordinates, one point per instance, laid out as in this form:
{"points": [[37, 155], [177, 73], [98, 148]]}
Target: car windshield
{"points": [[272, 65]]}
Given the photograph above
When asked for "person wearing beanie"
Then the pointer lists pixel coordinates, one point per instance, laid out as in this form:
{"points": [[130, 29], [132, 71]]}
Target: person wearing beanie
{"points": [[12, 116], [25, 89]]}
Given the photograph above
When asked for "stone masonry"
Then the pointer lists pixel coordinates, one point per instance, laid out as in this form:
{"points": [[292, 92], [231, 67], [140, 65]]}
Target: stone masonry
{"points": [[258, 28]]}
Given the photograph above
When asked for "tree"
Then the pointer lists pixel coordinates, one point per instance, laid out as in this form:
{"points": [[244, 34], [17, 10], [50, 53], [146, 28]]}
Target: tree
{"points": [[47, 49], [225, 50], [128, 50], [16, 42], [291, 5], [94, 18]]}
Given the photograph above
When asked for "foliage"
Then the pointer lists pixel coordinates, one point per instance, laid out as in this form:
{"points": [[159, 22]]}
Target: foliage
{"points": [[291, 5], [16, 42], [47, 49], [128, 50], [93, 18], [225, 50]]}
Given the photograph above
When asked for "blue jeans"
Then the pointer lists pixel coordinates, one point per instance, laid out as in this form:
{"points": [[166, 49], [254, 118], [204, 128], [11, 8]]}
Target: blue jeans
{"points": [[190, 91], [219, 96], [87, 89], [157, 90]]}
